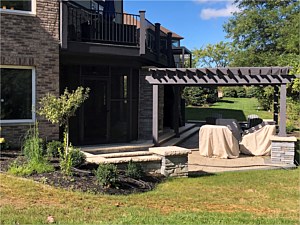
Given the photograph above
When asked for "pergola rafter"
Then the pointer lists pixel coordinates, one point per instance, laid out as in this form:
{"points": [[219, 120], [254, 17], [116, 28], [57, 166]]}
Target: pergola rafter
{"points": [[231, 76], [220, 76]]}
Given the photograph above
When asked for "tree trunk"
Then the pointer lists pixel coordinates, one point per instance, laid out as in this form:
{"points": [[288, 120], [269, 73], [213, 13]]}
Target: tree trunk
{"points": [[66, 134]]}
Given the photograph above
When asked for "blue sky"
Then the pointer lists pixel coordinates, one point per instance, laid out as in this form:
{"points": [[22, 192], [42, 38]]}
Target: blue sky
{"points": [[198, 21]]}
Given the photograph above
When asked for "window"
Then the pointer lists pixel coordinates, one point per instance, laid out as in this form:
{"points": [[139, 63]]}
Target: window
{"points": [[17, 94], [18, 6]]}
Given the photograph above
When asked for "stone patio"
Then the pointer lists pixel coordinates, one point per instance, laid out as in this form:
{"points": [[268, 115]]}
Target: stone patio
{"points": [[155, 160], [200, 164]]}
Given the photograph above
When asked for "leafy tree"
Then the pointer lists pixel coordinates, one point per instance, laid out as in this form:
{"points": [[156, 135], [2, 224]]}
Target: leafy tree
{"points": [[266, 33], [208, 56], [59, 109], [217, 55], [198, 96], [263, 31]]}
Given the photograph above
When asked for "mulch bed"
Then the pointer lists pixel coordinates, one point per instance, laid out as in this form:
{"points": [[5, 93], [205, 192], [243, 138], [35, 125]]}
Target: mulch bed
{"points": [[83, 178]]}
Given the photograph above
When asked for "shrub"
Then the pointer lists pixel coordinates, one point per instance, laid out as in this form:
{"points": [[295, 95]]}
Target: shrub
{"points": [[290, 126], [134, 170], [25, 169], [264, 97], [77, 157], [107, 175], [229, 92], [74, 158], [198, 96], [53, 148], [293, 113], [250, 92], [240, 92]]}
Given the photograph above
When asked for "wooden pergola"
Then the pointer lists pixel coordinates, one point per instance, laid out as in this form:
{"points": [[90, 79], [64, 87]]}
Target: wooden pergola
{"points": [[231, 76]]}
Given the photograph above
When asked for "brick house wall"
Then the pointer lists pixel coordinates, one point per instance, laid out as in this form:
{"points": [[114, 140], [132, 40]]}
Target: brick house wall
{"points": [[33, 40]]}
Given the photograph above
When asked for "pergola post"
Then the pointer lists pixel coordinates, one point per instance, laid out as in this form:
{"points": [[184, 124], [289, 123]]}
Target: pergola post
{"points": [[282, 122], [176, 111], [276, 104], [155, 115]]}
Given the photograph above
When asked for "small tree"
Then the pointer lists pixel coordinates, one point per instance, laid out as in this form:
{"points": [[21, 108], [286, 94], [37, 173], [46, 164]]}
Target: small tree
{"points": [[58, 110]]}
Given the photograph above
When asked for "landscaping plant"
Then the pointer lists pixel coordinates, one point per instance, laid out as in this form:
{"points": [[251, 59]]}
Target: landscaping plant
{"points": [[58, 110], [33, 145], [34, 153], [53, 148], [134, 170], [77, 157], [107, 175]]}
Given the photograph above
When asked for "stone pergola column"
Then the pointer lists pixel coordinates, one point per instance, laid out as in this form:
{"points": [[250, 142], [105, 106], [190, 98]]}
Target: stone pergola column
{"points": [[282, 122]]}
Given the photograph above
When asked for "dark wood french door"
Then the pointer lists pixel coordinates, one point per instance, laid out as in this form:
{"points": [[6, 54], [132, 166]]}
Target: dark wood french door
{"points": [[95, 112]]}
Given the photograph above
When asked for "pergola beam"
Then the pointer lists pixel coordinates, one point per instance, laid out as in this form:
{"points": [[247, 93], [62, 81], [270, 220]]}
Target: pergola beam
{"points": [[220, 76]]}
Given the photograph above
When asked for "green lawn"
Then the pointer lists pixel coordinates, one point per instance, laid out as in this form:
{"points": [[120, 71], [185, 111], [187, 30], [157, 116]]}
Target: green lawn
{"points": [[253, 197], [237, 108]]}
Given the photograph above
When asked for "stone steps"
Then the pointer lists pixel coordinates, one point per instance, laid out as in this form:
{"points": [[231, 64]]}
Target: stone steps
{"points": [[169, 161], [126, 154], [182, 138], [122, 157], [122, 154], [169, 136], [117, 148], [149, 161]]}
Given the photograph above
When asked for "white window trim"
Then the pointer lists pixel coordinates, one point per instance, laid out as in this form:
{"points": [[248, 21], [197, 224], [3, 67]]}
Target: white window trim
{"points": [[21, 12], [33, 97]]}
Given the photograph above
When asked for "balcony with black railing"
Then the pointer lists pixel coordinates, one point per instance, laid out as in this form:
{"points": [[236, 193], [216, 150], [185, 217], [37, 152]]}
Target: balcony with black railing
{"points": [[101, 26], [80, 24]]}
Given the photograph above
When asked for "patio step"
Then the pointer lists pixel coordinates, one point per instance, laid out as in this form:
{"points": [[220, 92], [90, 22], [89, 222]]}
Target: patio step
{"points": [[165, 138], [121, 157], [117, 160], [117, 148], [149, 161], [126, 154], [182, 138]]}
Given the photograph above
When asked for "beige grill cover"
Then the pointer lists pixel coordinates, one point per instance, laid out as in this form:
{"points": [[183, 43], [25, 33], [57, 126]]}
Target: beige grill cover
{"points": [[217, 141], [258, 142]]}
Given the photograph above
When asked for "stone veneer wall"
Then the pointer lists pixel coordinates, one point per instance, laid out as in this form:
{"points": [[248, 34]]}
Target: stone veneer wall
{"points": [[283, 149], [33, 41], [145, 107]]}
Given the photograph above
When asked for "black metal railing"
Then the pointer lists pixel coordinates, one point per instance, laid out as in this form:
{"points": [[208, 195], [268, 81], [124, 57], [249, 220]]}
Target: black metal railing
{"points": [[152, 42], [102, 26]]}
